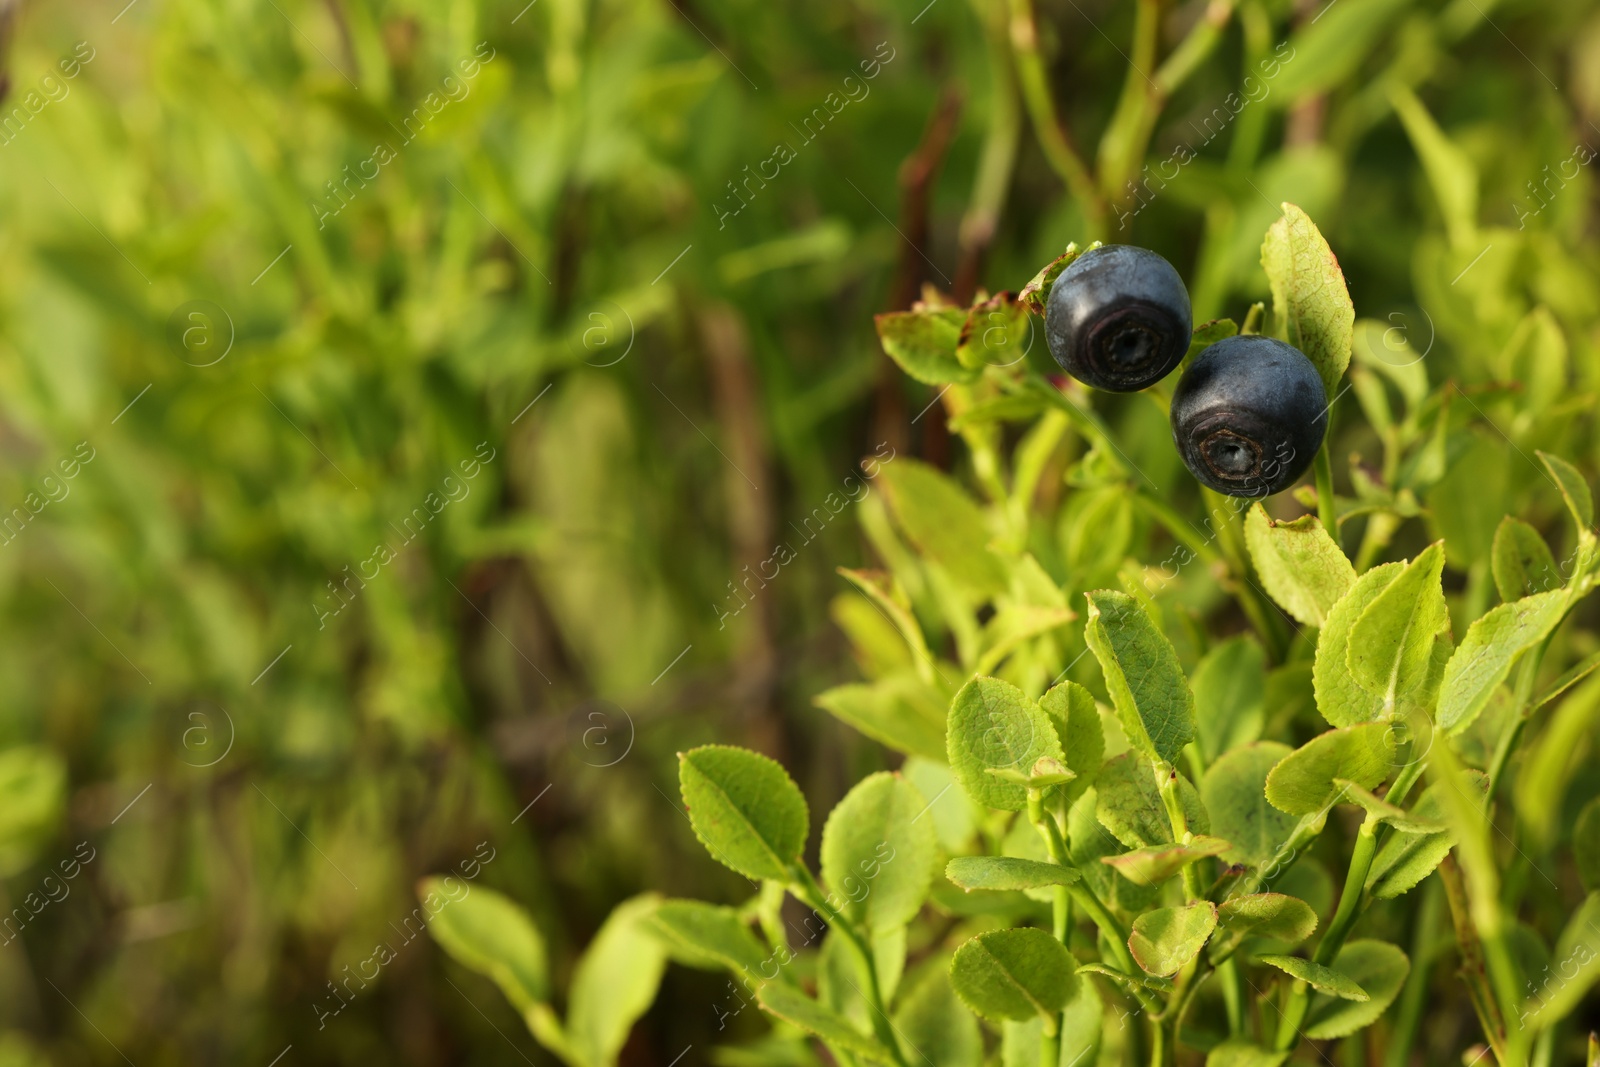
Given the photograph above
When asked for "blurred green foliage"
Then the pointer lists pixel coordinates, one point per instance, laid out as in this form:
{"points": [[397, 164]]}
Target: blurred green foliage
{"points": [[271, 705]]}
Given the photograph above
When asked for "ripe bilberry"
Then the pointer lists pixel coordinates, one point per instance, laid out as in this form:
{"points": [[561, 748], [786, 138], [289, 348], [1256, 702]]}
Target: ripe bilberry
{"points": [[1248, 416], [1118, 318]]}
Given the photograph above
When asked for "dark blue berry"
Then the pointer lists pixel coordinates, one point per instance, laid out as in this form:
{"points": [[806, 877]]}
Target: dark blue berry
{"points": [[1118, 318], [1248, 416]]}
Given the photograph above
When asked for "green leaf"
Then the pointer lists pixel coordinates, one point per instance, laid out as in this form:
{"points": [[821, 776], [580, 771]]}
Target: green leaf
{"points": [[1586, 844], [1006, 872], [1087, 842], [900, 711], [1230, 687], [1154, 865], [1326, 51], [1408, 857], [1574, 491], [614, 982], [1072, 710], [1340, 699], [1484, 657], [1034, 295], [1209, 333], [794, 1007], [931, 1019], [1380, 969], [745, 809], [1234, 793], [923, 342], [1384, 812], [1129, 804], [1391, 643], [1576, 966], [995, 333], [1271, 915], [993, 724], [878, 852], [1299, 564], [1142, 981], [1238, 1052], [1522, 562], [1322, 978], [1310, 304], [1013, 974], [1164, 940], [945, 523], [1450, 169], [1304, 782], [1142, 674], [489, 933], [709, 936]]}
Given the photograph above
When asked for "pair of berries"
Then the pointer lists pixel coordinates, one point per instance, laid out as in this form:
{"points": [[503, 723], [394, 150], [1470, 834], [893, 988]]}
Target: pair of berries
{"points": [[1249, 413]]}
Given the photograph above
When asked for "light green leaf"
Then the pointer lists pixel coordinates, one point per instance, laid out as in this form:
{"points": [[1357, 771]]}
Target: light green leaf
{"points": [[1013, 974], [1380, 969], [1142, 674], [1384, 812], [1391, 643], [1234, 793], [900, 711], [1299, 564], [614, 982], [1164, 940], [952, 813], [794, 1007], [1304, 782], [1586, 844], [489, 933], [1319, 977], [1310, 305], [1081, 1020], [745, 809], [1450, 170], [1237, 1052], [1072, 710], [1340, 699], [878, 852], [1485, 655], [931, 1019], [1576, 963], [1130, 805], [1536, 358], [1574, 490], [1230, 686], [709, 936], [1272, 915], [993, 724], [1154, 865], [944, 522], [1006, 872], [923, 342], [1523, 563]]}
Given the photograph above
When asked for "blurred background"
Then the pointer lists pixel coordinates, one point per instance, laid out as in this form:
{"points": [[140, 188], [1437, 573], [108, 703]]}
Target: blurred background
{"points": [[401, 405]]}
